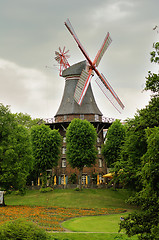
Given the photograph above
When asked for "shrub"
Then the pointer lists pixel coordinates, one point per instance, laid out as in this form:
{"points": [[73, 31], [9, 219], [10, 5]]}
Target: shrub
{"points": [[21, 229], [44, 190], [73, 178]]}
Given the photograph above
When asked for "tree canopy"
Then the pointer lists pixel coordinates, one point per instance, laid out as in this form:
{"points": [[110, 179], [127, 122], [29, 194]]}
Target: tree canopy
{"points": [[139, 160], [114, 140], [81, 140], [16, 159], [46, 144]]}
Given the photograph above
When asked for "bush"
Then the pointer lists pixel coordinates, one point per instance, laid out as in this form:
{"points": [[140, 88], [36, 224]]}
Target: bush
{"points": [[21, 192], [73, 178], [44, 190], [21, 229]]}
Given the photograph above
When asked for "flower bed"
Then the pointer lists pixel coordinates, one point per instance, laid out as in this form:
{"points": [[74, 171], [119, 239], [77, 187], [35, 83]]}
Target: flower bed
{"points": [[50, 218]]}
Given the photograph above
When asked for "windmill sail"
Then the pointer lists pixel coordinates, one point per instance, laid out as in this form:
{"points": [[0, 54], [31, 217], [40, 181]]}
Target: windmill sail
{"points": [[82, 86], [105, 45], [109, 92], [72, 31], [85, 77]]}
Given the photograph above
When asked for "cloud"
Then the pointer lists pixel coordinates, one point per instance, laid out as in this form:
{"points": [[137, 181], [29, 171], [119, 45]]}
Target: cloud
{"points": [[25, 89]]}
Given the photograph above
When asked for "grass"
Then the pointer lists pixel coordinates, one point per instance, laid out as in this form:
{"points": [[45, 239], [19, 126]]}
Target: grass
{"points": [[90, 236], [70, 199], [105, 224], [88, 198]]}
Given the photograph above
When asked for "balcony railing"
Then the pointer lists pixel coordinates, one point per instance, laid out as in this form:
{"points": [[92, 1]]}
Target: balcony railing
{"points": [[104, 120]]}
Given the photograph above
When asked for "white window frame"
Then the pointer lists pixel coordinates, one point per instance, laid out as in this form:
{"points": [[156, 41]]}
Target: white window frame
{"points": [[99, 150], [63, 150], [100, 163], [96, 117], [82, 116], [63, 163]]}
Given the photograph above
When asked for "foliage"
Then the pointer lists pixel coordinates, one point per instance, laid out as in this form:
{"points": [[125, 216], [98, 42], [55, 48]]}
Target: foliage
{"points": [[46, 147], [114, 140], [47, 189], [73, 178], [16, 159], [155, 54], [146, 223], [81, 139], [135, 144], [26, 120], [152, 82], [22, 229]]}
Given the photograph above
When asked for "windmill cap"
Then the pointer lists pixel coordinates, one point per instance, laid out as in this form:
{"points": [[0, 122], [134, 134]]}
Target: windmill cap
{"points": [[75, 70]]}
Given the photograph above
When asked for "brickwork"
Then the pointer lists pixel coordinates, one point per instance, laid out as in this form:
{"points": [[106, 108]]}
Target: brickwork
{"points": [[64, 168], [69, 118]]}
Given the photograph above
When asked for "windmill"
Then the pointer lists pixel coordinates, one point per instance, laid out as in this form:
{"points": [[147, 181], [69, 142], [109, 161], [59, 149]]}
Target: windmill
{"points": [[86, 75], [61, 58]]}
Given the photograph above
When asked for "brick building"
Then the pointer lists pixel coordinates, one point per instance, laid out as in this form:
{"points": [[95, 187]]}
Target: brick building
{"points": [[69, 110]]}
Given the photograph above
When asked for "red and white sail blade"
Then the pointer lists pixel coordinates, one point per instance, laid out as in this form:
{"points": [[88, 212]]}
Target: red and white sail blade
{"points": [[82, 85], [109, 92], [105, 45], [71, 30]]}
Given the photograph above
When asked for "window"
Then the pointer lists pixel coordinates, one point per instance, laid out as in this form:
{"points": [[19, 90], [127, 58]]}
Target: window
{"points": [[82, 116], [99, 150], [65, 117], [96, 117], [62, 179], [64, 150], [63, 163], [100, 163], [100, 178]]}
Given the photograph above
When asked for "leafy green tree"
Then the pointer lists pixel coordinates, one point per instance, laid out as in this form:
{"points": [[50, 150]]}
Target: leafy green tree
{"points": [[135, 145], [16, 159], [81, 139], [26, 120], [146, 223], [46, 144], [114, 140]]}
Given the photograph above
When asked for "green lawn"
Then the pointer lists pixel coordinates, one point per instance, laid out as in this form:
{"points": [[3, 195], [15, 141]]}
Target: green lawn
{"points": [[90, 236], [87, 198], [105, 224]]}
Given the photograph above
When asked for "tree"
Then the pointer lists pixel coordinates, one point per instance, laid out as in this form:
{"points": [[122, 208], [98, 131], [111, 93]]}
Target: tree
{"points": [[81, 139], [16, 159], [114, 140], [146, 222], [26, 120], [46, 144]]}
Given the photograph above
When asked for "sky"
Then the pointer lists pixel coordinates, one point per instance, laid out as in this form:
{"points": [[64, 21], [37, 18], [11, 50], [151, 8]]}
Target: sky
{"points": [[32, 30]]}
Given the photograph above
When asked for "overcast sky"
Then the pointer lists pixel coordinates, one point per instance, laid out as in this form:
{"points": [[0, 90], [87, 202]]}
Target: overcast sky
{"points": [[32, 30]]}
